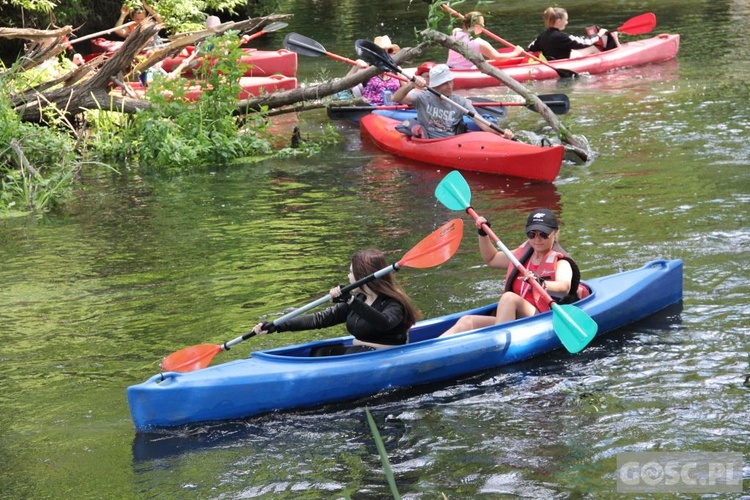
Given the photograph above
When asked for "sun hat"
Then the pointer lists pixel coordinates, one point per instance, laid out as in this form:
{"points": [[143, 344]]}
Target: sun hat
{"points": [[384, 42], [212, 22], [542, 220], [425, 67], [440, 74]]}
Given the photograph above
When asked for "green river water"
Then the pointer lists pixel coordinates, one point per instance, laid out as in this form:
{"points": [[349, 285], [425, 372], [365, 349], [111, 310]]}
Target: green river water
{"points": [[140, 267]]}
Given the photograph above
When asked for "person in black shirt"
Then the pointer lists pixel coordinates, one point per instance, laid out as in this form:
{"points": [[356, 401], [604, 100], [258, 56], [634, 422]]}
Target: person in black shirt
{"points": [[378, 315], [554, 43]]}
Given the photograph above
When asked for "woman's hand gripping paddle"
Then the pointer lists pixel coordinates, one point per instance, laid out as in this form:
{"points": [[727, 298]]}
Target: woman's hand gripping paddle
{"points": [[376, 56], [574, 328], [435, 249]]}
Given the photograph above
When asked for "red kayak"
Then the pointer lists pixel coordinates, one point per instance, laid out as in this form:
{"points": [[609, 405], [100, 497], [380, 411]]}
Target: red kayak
{"points": [[252, 86], [650, 50], [257, 62], [475, 151]]}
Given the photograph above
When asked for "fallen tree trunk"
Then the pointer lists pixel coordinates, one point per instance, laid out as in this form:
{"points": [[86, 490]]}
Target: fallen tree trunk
{"points": [[87, 87], [324, 89]]}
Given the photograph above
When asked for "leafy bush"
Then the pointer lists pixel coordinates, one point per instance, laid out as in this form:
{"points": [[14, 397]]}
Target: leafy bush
{"points": [[37, 163], [175, 134]]}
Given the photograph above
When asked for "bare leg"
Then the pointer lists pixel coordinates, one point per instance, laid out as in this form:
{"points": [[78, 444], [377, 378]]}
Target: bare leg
{"points": [[469, 322], [584, 52], [511, 306]]}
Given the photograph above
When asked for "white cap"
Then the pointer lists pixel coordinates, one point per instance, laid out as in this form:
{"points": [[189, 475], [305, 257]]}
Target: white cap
{"points": [[439, 75]]}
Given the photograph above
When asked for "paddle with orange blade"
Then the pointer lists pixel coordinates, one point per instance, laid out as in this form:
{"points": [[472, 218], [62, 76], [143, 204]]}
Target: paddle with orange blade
{"points": [[435, 249]]}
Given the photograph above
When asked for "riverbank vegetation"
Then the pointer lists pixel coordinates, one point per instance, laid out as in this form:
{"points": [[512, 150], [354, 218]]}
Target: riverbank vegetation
{"points": [[59, 119]]}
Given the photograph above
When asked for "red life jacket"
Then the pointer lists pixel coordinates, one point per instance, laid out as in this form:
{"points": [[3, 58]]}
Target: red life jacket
{"points": [[546, 271]]}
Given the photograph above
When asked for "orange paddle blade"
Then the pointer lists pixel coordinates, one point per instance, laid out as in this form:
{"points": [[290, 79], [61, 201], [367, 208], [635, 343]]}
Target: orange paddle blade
{"points": [[436, 248], [639, 25], [191, 358]]}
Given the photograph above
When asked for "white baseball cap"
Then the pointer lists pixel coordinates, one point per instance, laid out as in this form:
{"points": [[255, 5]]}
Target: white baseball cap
{"points": [[439, 75]]}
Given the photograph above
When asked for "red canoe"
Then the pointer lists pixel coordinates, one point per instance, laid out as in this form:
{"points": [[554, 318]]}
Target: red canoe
{"points": [[476, 151], [650, 50], [252, 86], [257, 62]]}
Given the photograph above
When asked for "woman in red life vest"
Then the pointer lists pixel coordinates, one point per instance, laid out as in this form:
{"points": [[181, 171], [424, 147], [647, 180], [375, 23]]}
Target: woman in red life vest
{"points": [[544, 260]]}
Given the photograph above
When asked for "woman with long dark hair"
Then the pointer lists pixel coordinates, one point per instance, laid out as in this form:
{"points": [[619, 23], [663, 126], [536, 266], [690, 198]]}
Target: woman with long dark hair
{"points": [[378, 315]]}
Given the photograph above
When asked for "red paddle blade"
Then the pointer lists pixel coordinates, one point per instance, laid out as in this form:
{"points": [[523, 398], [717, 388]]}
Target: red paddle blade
{"points": [[639, 25], [190, 358], [438, 247]]}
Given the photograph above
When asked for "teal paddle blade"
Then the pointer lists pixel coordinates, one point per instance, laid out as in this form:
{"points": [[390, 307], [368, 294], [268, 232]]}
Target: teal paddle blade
{"points": [[454, 192], [574, 328]]}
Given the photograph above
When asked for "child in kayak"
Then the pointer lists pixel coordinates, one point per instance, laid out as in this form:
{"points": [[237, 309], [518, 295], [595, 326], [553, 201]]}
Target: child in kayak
{"points": [[472, 27], [554, 43], [379, 315]]}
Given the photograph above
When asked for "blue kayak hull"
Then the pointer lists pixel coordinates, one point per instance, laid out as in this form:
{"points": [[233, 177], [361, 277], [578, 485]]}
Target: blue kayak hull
{"points": [[411, 114], [287, 378]]}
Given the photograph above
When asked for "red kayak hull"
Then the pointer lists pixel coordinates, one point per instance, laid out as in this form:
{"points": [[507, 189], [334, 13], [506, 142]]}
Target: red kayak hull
{"points": [[256, 62], [657, 49], [473, 151], [252, 86]]}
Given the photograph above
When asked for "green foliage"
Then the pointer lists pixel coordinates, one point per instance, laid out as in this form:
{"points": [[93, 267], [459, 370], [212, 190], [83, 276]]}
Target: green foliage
{"points": [[184, 15], [44, 6], [175, 134], [38, 175]]}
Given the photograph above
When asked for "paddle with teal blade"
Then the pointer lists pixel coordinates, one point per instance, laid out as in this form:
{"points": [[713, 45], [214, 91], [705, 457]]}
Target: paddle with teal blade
{"points": [[573, 327], [437, 248]]}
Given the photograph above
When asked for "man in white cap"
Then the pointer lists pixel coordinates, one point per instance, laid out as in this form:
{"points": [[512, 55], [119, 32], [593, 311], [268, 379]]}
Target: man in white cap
{"points": [[437, 117]]}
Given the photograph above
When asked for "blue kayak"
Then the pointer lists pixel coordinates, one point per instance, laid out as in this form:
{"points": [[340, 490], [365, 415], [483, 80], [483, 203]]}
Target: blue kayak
{"points": [[354, 113], [287, 378], [411, 114]]}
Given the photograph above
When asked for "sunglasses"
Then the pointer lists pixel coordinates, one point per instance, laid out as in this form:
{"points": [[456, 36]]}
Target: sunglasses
{"points": [[534, 234]]}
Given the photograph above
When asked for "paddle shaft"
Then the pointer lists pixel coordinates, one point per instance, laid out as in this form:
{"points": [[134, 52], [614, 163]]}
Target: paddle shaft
{"points": [[495, 37], [405, 106], [315, 303], [104, 32]]}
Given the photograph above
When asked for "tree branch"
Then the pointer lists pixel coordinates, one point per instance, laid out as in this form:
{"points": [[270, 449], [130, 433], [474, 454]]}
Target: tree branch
{"points": [[577, 144]]}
